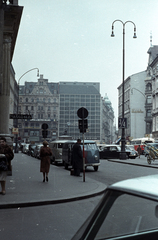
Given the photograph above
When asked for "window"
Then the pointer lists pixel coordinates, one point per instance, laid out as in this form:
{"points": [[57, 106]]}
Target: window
{"points": [[149, 87], [149, 99], [32, 107], [26, 108], [41, 91], [148, 113], [26, 99]]}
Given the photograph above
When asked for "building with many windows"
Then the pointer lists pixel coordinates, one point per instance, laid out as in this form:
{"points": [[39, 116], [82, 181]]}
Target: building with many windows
{"points": [[108, 129], [153, 88], [41, 100], [57, 104], [74, 95], [134, 105], [140, 105]]}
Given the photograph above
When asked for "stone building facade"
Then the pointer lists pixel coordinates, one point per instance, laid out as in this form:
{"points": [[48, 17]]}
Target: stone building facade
{"points": [[108, 128], [56, 104], [41, 100], [152, 86], [134, 105]]}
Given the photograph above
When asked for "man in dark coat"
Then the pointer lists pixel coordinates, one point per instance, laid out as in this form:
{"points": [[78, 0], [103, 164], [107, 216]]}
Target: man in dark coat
{"points": [[7, 153], [77, 158]]}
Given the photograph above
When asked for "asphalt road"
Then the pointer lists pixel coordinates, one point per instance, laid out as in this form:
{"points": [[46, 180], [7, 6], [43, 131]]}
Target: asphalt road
{"points": [[60, 222]]}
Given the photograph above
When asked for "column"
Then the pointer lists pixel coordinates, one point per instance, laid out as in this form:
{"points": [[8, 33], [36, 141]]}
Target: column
{"points": [[5, 86]]}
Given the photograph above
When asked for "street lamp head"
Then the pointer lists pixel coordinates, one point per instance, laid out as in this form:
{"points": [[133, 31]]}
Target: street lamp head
{"points": [[37, 72], [135, 36], [112, 34]]}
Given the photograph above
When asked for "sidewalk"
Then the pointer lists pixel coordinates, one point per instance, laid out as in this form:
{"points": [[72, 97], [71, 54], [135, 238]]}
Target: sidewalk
{"points": [[26, 188], [142, 161]]}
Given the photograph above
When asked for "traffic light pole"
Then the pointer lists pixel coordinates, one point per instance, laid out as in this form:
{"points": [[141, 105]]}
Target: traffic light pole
{"points": [[83, 160]]}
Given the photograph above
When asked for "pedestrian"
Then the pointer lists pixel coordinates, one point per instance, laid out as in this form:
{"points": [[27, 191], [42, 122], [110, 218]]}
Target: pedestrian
{"points": [[139, 150], [77, 158], [6, 155], [45, 153]]}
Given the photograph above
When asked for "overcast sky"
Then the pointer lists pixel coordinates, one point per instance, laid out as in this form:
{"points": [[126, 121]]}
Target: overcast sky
{"points": [[70, 40]]}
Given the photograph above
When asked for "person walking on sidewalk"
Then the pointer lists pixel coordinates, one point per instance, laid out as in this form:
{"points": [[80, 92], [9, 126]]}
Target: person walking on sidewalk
{"points": [[139, 150], [77, 158], [6, 155], [45, 154]]}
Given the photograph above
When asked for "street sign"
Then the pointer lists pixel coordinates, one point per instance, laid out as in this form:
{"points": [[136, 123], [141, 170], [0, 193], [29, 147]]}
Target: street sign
{"points": [[14, 130], [122, 122], [82, 113], [20, 116]]}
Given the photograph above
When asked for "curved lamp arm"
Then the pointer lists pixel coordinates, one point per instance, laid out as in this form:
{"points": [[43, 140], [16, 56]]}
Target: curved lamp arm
{"points": [[29, 71]]}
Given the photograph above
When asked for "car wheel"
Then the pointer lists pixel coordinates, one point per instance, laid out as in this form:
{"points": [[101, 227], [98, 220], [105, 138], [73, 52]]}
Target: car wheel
{"points": [[95, 168]]}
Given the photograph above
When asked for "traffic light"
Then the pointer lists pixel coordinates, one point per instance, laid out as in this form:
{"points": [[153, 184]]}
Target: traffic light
{"points": [[82, 125], [44, 131]]}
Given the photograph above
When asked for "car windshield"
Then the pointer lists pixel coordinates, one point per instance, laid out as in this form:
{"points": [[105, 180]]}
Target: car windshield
{"points": [[129, 214], [121, 214], [89, 146]]}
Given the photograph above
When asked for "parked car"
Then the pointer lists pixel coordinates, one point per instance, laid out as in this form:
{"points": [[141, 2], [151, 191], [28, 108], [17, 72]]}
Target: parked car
{"points": [[127, 210], [113, 151], [25, 148], [31, 150], [21, 146], [133, 152], [37, 151]]}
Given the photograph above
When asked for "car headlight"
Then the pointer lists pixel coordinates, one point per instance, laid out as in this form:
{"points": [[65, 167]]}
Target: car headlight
{"points": [[96, 157]]}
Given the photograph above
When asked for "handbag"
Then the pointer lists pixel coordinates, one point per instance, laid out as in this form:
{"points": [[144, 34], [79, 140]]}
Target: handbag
{"points": [[3, 164]]}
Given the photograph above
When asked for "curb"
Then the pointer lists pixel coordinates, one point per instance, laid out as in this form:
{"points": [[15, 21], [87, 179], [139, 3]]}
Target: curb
{"points": [[49, 202], [130, 163]]}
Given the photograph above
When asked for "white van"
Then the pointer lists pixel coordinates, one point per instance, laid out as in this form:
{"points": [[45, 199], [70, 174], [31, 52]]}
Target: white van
{"points": [[56, 147]]}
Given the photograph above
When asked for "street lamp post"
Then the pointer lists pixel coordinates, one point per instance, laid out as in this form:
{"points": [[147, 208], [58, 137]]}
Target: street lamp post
{"points": [[16, 141], [123, 153]]}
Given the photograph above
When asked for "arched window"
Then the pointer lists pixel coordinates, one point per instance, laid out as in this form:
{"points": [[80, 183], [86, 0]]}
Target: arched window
{"points": [[149, 87]]}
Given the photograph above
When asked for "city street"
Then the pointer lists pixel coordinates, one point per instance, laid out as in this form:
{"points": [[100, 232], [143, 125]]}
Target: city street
{"points": [[61, 221]]}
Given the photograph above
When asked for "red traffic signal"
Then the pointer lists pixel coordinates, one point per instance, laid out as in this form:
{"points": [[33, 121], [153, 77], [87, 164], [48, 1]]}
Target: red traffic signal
{"points": [[82, 125]]}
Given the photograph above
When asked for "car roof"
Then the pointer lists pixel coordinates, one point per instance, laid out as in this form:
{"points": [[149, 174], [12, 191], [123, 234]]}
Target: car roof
{"points": [[143, 186], [112, 145]]}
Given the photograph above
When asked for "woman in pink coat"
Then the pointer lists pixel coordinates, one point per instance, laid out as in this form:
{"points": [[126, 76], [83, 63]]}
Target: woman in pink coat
{"points": [[45, 154]]}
